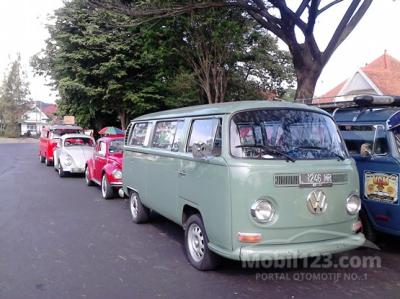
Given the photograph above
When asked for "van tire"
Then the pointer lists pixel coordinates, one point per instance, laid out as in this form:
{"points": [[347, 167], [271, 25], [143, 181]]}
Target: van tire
{"points": [[196, 245], [140, 213], [367, 229]]}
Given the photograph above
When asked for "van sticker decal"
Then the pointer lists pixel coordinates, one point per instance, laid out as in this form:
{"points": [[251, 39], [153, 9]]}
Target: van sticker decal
{"points": [[381, 186]]}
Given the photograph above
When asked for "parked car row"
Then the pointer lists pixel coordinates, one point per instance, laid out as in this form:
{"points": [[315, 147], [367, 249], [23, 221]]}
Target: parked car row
{"points": [[72, 152], [248, 181]]}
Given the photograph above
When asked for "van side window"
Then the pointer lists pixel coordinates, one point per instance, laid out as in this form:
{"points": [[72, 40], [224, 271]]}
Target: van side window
{"points": [[206, 131], [140, 134], [164, 134], [179, 135], [128, 133], [355, 136], [380, 145]]}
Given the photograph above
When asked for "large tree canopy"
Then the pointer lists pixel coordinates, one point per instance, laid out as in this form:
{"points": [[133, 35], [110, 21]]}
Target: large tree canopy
{"points": [[106, 67], [100, 65], [284, 20]]}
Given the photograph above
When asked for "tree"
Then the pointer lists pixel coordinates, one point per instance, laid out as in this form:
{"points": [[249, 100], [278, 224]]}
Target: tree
{"points": [[279, 18], [231, 57], [107, 68], [211, 43], [14, 101], [262, 70], [101, 66]]}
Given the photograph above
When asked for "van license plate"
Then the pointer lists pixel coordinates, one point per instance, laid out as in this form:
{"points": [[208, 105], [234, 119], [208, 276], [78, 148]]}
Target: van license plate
{"points": [[315, 179]]}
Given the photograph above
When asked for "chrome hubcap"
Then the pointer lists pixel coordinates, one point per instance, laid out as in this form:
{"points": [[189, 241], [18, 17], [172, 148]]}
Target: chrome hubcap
{"points": [[134, 206], [196, 242]]}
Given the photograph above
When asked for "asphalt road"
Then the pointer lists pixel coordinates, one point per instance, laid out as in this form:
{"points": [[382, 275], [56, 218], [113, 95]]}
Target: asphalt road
{"points": [[59, 239]]}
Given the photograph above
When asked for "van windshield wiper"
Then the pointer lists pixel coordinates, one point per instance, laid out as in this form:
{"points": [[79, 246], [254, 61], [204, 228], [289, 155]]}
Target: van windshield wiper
{"points": [[268, 150], [320, 148]]}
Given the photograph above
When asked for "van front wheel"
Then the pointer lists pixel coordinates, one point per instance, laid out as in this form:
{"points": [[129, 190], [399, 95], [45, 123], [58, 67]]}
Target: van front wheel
{"points": [[367, 229], [140, 214], [196, 245]]}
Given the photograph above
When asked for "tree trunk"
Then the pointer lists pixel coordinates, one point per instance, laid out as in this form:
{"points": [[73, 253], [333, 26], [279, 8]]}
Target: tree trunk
{"points": [[308, 70], [122, 118], [306, 82]]}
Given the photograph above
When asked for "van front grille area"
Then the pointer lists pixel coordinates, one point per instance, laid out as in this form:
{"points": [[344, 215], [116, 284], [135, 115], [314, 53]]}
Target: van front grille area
{"points": [[286, 180], [293, 180]]}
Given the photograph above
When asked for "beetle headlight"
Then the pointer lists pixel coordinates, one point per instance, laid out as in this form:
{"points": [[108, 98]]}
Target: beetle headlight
{"points": [[117, 174], [68, 160], [262, 211], [353, 204]]}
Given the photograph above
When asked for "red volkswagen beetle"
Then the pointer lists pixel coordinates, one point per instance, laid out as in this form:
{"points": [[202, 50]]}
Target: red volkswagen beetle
{"points": [[105, 167]]}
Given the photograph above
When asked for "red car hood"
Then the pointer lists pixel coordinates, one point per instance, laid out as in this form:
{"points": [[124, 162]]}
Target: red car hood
{"points": [[116, 158]]}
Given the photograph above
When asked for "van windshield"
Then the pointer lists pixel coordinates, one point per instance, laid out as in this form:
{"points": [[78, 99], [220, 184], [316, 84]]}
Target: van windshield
{"points": [[288, 134]]}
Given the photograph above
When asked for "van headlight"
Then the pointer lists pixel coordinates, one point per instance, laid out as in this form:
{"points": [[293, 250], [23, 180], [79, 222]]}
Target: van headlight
{"points": [[353, 204], [262, 211], [68, 160], [117, 174]]}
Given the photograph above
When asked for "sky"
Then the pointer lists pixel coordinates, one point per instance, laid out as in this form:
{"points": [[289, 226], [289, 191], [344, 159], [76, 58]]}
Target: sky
{"points": [[22, 29]]}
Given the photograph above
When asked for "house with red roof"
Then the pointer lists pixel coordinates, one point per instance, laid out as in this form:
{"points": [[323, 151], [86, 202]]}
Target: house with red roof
{"points": [[380, 77], [39, 115]]}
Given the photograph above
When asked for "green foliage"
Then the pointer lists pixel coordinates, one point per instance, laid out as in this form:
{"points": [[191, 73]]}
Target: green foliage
{"points": [[101, 65], [109, 69], [14, 102]]}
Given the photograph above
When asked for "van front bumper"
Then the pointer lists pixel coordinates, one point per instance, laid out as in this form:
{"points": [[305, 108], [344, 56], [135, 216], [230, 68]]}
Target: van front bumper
{"points": [[262, 252], [300, 250]]}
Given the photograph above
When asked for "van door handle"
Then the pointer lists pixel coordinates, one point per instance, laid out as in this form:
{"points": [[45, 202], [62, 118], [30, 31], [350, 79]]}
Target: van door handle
{"points": [[182, 173]]}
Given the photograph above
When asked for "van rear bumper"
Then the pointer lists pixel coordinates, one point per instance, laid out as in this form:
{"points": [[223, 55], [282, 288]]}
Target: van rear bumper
{"points": [[260, 252]]}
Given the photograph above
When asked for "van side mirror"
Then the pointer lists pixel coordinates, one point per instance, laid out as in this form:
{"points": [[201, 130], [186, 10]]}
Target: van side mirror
{"points": [[201, 151], [366, 150]]}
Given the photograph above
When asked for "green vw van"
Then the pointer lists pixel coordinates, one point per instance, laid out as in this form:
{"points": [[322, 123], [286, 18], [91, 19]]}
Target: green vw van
{"points": [[249, 181]]}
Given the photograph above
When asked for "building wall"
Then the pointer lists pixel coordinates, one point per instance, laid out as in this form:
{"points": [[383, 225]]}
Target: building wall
{"points": [[33, 122]]}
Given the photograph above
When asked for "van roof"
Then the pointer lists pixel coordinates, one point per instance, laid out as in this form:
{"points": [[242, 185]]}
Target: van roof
{"points": [[365, 115], [224, 108]]}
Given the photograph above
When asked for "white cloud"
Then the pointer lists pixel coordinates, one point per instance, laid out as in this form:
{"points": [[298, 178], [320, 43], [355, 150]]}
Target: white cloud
{"points": [[22, 24], [376, 32]]}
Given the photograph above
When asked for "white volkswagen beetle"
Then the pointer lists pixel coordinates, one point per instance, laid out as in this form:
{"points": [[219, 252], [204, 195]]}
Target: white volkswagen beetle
{"points": [[72, 153]]}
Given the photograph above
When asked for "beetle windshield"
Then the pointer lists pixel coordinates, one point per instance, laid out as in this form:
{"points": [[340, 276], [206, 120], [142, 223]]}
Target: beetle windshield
{"points": [[285, 134], [116, 146], [78, 141]]}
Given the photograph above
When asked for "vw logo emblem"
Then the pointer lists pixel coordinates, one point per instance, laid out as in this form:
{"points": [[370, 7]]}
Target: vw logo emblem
{"points": [[317, 202]]}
